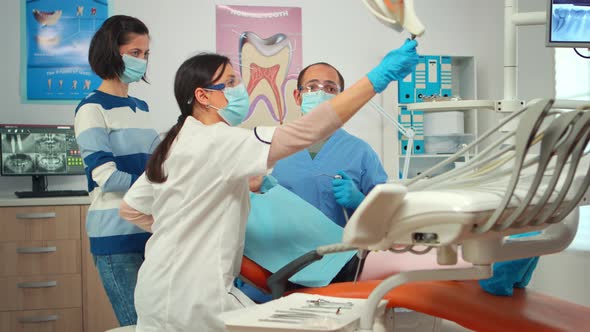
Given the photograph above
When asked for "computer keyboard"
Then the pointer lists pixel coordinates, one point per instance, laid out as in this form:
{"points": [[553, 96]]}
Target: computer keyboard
{"points": [[51, 193]]}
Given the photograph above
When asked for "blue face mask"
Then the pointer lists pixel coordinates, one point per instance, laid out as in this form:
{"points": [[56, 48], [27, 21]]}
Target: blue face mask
{"points": [[238, 105], [312, 99], [134, 69]]}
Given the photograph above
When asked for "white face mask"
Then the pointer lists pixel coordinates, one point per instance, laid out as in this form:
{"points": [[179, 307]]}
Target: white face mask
{"points": [[311, 100]]}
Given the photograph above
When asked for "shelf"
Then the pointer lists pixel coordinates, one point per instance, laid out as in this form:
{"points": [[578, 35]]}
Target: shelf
{"points": [[446, 106]]}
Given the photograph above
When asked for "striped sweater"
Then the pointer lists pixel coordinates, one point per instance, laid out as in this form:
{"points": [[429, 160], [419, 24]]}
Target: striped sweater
{"points": [[116, 141]]}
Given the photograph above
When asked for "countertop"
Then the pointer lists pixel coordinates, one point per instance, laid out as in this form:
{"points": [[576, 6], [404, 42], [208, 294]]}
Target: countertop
{"points": [[9, 199]]}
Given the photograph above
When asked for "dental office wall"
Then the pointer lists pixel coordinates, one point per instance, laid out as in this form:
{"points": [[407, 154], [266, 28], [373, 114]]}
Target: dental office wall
{"points": [[340, 32]]}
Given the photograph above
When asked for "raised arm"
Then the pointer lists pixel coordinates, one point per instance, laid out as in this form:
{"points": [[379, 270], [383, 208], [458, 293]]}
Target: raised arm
{"points": [[331, 115]]}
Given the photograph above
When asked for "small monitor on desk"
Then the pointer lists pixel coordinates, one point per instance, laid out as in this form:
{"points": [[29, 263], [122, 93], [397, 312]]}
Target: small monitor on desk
{"points": [[568, 23], [39, 151]]}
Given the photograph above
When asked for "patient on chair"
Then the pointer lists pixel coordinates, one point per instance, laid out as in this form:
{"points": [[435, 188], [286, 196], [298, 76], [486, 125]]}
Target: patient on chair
{"points": [[282, 227]]}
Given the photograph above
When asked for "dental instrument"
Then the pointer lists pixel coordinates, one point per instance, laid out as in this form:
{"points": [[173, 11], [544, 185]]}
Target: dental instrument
{"points": [[397, 14], [408, 132], [337, 176], [361, 254]]}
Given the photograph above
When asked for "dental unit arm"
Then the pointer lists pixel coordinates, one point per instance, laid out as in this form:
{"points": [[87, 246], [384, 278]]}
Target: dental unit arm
{"points": [[408, 132], [495, 195], [458, 208], [503, 190]]}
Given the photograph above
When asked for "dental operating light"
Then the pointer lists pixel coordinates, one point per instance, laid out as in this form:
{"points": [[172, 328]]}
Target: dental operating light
{"points": [[396, 14]]}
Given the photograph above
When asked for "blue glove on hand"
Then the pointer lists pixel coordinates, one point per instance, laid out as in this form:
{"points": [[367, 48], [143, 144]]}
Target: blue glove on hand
{"points": [[396, 65], [268, 181], [510, 274], [346, 192]]}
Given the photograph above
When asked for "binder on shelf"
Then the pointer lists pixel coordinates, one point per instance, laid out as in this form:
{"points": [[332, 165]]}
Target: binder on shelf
{"points": [[420, 79], [411, 120], [418, 127], [405, 120], [446, 76], [406, 89]]}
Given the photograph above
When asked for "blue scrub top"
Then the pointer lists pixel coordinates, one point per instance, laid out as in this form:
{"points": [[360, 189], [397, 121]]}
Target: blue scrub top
{"points": [[343, 151]]}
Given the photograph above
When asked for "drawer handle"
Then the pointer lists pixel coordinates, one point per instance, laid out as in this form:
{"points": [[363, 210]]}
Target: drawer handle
{"points": [[36, 250], [39, 284], [38, 215], [38, 319]]}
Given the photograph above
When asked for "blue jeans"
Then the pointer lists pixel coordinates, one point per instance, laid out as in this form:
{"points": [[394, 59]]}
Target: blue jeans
{"points": [[118, 273]]}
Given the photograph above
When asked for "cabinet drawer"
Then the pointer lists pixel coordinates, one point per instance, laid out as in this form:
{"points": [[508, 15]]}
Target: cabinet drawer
{"points": [[39, 223], [58, 320], [40, 292], [40, 258]]}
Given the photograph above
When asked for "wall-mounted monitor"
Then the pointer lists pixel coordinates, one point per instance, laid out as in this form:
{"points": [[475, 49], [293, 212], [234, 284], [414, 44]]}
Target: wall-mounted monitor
{"points": [[568, 23]]}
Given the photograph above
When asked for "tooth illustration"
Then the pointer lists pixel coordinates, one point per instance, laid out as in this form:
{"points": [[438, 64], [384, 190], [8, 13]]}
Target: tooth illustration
{"points": [[47, 41], [60, 83], [80, 11], [47, 18], [74, 84], [264, 65], [86, 85], [561, 14], [49, 84], [578, 15]]}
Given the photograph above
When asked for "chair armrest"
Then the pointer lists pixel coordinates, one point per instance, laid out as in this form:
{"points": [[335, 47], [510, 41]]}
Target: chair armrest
{"points": [[278, 281]]}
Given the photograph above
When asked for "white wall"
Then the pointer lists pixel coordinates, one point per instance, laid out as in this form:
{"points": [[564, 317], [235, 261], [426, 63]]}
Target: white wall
{"points": [[340, 32]]}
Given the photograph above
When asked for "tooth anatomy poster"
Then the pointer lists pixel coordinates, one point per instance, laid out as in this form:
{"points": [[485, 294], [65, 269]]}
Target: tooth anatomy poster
{"points": [[264, 45], [54, 48]]}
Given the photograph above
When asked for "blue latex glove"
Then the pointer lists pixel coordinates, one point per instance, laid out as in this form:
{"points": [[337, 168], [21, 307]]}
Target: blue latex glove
{"points": [[268, 182], [510, 274], [395, 66], [346, 192]]}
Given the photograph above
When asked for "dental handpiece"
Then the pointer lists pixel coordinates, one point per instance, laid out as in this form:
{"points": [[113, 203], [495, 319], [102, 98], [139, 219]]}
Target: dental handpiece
{"points": [[361, 254]]}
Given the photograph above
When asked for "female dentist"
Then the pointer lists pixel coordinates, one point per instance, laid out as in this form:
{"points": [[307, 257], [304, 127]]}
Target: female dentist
{"points": [[195, 197]]}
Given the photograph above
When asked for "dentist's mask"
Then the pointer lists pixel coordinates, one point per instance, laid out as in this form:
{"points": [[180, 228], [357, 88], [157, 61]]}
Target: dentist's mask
{"points": [[238, 105]]}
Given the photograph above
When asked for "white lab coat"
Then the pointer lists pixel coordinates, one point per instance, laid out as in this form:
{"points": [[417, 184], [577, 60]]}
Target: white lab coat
{"points": [[200, 215]]}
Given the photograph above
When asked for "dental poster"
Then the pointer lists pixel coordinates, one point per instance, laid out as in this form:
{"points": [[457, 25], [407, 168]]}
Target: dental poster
{"points": [[55, 47], [264, 43]]}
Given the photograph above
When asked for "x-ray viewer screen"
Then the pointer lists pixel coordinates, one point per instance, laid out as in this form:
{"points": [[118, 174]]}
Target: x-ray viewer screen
{"points": [[39, 150]]}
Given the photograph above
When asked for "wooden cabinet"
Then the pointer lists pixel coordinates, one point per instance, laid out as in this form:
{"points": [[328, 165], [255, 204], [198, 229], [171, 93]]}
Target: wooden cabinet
{"points": [[48, 280], [56, 320]]}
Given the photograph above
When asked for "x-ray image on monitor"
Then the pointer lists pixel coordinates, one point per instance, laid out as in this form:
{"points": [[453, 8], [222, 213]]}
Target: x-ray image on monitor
{"points": [[568, 23], [39, 150], [18, 163], [17, 153], [51, 156]]}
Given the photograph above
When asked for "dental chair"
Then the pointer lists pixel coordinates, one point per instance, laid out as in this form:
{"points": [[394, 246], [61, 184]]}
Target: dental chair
{"points": [[531, 179]]}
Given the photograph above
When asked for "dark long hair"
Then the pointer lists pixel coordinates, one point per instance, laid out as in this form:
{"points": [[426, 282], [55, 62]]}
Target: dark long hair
{"points": [[103, 54], [196, 72]]}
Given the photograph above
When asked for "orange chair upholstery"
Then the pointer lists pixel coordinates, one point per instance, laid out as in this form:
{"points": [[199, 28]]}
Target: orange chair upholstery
{"points": [[463, 302]]}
